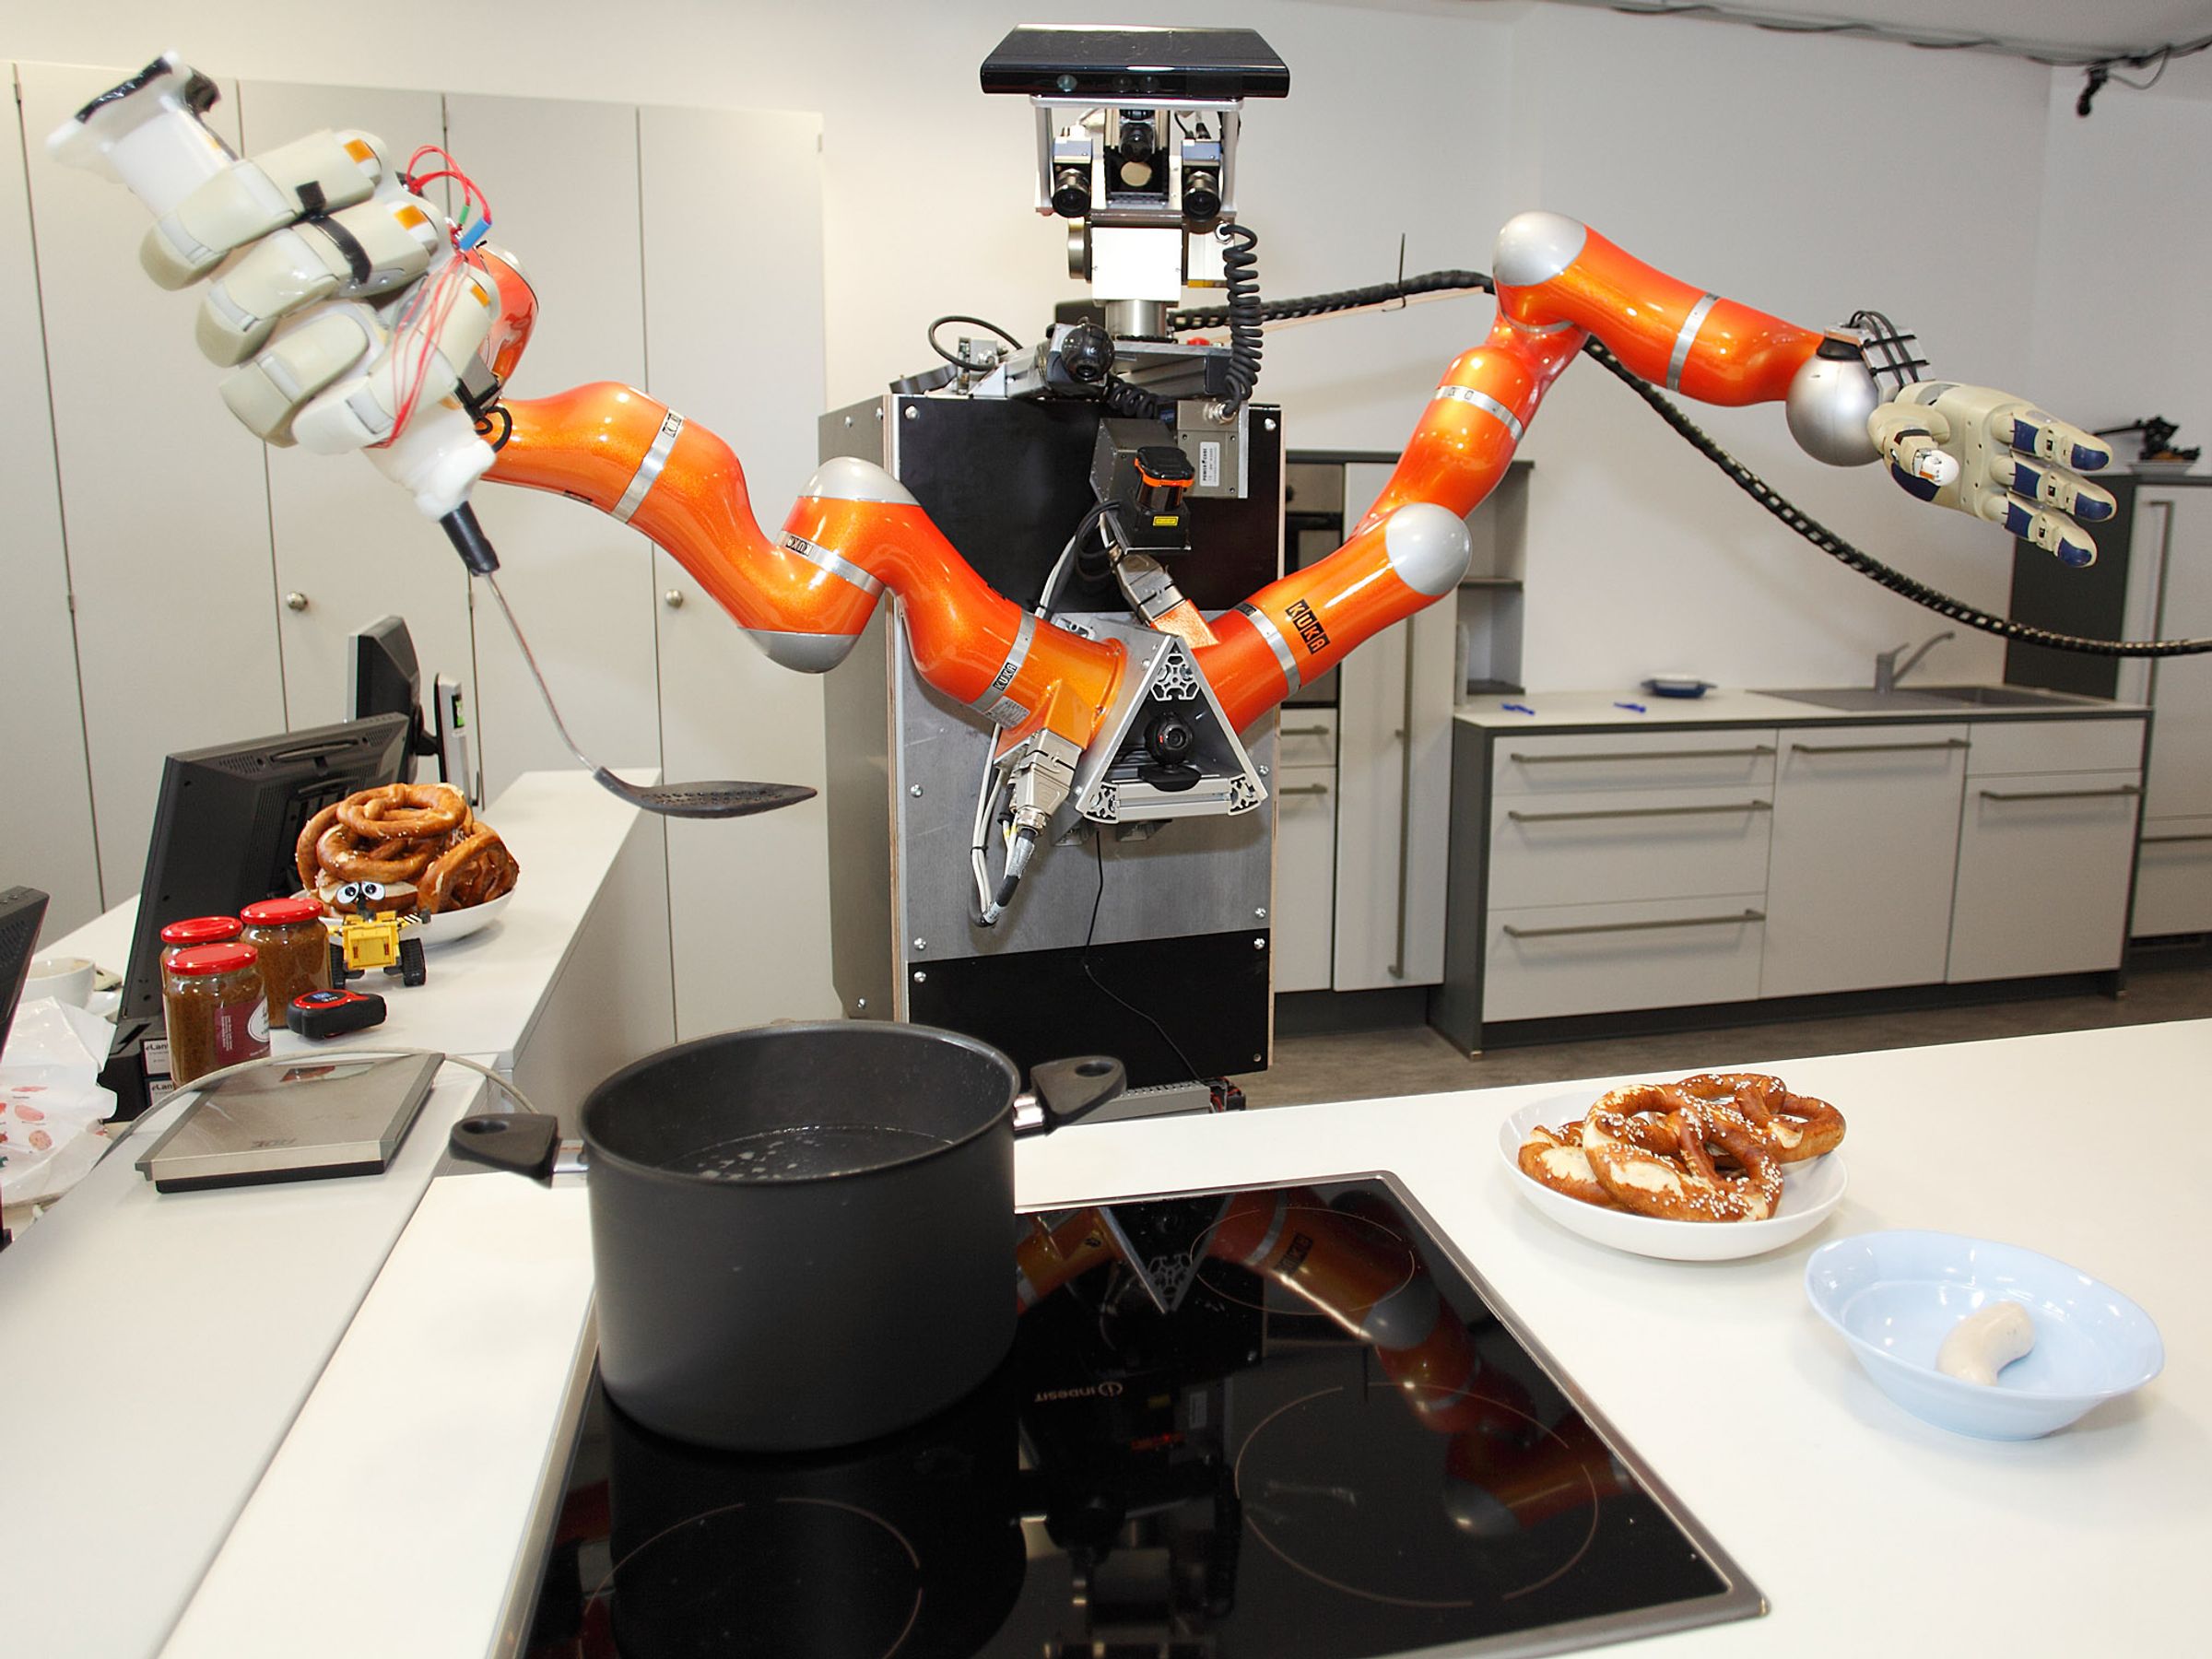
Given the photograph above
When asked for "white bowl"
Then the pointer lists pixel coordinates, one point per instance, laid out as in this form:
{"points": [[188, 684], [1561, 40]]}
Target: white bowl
{"points": [[448, 925], [1810, 1190], [65, 979], [1895, 1296]]}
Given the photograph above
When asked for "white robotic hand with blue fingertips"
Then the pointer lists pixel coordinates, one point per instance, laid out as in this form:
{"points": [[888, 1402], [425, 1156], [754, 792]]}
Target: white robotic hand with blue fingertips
{"points": [[1998, 457], [336, 295]]}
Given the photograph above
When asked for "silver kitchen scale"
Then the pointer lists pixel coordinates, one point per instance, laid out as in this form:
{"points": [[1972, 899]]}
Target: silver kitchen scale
{"points": [[296, 1120]]}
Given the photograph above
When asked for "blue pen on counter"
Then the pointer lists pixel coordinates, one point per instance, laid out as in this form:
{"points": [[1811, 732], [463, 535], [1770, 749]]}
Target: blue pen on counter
{"points": [[1632, 708], [1516, 708]]}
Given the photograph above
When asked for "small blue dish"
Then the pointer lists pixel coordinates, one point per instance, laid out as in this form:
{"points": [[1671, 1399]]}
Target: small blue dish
{"points": [[1895, 1296], [1676, 685]]}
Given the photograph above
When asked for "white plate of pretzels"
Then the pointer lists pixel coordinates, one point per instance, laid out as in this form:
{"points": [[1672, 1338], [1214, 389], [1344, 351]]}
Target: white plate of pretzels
{"points": [[423, 845], [1711, 1168]]}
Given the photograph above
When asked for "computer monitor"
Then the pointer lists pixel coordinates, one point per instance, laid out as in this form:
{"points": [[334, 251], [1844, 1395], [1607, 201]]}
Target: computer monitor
{"points": [[383, 677], [21, 911], [230, 820]]}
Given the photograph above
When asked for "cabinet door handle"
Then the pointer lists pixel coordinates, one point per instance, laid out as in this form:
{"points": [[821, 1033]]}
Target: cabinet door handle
{"points": [[1599, 927], [2060, 795], [1720, 754], [1397, 963], [1304, 789], [1634, 812], [1875, 748], [1321, 731], [2149, 839]]}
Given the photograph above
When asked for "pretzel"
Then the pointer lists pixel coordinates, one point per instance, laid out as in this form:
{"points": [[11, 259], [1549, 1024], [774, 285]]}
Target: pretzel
{"points": [[1796, 1127], [1556, 1160], [341, 852], [1683, 1185], [404, 809], [474, 869]]}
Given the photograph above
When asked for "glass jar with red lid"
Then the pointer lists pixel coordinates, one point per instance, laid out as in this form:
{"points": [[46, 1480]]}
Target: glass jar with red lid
{"points": [[198, 930], [215, 1009], [294, 950]]}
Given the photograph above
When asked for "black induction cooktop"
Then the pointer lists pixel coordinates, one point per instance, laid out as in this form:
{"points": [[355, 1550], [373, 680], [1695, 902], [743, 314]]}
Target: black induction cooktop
{"points": [[1269, 1423]]}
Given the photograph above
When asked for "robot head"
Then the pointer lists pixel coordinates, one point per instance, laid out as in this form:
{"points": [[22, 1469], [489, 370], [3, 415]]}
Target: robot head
{"points": [[1136, 136]]}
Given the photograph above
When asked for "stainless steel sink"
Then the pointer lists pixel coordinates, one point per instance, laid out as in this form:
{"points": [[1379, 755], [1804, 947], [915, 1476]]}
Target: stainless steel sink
{"points": [[2004, 697], [1865, 698]]}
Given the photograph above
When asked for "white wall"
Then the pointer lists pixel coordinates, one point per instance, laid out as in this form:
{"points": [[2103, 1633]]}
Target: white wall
{"points": [[1809, 176]]}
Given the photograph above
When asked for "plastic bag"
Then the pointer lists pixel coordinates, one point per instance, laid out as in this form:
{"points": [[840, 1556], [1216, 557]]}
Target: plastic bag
{"points": [[52, 1110]]}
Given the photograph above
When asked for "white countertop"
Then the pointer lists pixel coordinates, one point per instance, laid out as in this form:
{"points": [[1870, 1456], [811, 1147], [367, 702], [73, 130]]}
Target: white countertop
{"points": [[485, 991], [1868, 1530], [158, 1346], [1724, 706]]}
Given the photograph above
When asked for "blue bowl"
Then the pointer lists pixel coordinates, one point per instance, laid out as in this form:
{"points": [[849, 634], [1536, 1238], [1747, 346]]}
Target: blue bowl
{"points": [[1895, 1296]]}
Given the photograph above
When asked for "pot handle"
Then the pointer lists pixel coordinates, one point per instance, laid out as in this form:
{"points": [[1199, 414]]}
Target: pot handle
{"points": [[1062, 1091], [524, 1145]]}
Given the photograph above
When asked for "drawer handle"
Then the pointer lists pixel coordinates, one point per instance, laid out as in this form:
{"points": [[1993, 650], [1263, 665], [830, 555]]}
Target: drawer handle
{"points": [[1628, 812], [1722, 754], [1875, 748], [2149, 839], [1597, 927], [2060, 795], [1304, 789], [1303, 731]]}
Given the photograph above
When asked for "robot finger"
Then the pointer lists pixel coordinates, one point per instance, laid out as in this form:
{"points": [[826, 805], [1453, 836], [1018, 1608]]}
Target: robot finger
{"points": [[378, 245], [432, 338], [318, 174], [304, 355], [2053, 532], [2032, 432], [1920, 465], [2053, 486]]}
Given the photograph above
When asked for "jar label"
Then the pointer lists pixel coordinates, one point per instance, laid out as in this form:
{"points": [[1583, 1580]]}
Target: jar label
{"points": [[241, 1031]]}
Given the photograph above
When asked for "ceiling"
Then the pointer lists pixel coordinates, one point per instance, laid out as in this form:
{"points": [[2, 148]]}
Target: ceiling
{"points": [[2068, 28]]}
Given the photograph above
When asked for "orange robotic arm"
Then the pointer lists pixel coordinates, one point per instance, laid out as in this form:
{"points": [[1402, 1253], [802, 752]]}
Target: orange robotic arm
{"points": [[805, 597]]}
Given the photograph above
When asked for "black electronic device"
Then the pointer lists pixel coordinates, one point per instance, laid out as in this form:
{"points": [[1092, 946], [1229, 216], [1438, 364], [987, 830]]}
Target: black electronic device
{"points": [[1080, 61], [22, 909], [334, 1013], [229, 821]]}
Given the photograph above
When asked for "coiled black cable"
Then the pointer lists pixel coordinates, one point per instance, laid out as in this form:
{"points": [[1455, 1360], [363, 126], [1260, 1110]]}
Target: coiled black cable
{"points": [[1131, 403], [1743, 478], [1241, 268]]}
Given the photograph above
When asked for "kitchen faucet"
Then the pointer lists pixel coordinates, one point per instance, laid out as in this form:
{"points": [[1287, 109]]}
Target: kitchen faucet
{"points": [[1888, 670]]}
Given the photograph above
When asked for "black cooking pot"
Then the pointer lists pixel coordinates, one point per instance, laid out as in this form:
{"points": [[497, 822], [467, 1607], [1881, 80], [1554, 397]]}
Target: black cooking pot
{"points": [[803, 1234]]}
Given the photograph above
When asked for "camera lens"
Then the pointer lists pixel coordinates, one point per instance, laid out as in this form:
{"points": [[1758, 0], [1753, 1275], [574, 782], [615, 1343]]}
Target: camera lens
{"points": [[1201, 197], [1170, 740], [1071, 191], [1139, 140]]}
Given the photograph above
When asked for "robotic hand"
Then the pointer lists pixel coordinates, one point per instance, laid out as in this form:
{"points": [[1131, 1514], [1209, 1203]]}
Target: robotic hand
{"points": [[347, 310], [1998, 457]]}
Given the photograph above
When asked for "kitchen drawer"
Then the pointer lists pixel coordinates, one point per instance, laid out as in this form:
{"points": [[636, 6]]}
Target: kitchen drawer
{"points": [[1642, 843], [1306, 737], [2043, 869], [2173, 877], [1305, 876], [1609, 760], [1595, 959], [2054, 746]]}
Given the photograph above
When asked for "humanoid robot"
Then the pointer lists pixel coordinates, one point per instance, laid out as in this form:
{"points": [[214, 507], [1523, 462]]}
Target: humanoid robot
{"points": [[350, 314]]}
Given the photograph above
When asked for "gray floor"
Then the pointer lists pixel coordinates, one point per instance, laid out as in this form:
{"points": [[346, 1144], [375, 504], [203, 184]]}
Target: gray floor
{"points": [[2162, 986]]}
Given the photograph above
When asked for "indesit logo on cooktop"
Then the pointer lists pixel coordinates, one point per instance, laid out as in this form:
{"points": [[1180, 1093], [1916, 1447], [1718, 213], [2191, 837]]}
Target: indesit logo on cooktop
{"points": [[1110, 1388]]}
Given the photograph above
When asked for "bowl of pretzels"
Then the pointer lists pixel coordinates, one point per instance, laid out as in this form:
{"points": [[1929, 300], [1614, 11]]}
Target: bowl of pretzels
{"points": [[1712, 1168], [422, 844]]}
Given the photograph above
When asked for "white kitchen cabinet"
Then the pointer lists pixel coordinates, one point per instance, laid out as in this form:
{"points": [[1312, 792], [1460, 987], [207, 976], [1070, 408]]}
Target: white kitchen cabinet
{"points": [[2044, 854], [349, 547], [1865, 841], [734, 340], [164, 497], [2173, 877], [562, 178], [1629, 844], [1394, 781], [46, 829], [1305, 876], [1594, 958], [2173, 880]]}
